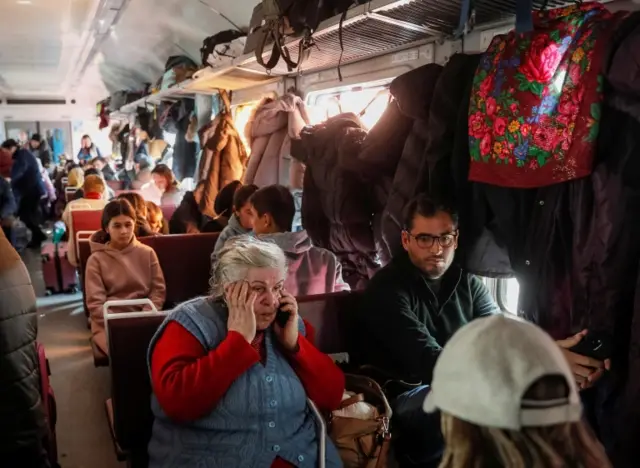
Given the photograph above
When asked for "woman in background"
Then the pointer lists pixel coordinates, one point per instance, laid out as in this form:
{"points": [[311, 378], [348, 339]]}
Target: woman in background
{"points": [[75, 178], [120, 267], [188, 219], [156, 220], [92, 200], [142, 228], [166, 181], [88, 150]]}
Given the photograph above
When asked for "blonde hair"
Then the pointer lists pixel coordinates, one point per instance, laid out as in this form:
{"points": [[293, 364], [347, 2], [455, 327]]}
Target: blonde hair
{"points": [[568, 445], [75, 177], [93, 183], [232, 262]]}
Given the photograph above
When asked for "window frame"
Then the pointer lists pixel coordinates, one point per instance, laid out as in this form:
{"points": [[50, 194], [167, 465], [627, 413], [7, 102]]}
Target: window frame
{"points": [[501, 295]]}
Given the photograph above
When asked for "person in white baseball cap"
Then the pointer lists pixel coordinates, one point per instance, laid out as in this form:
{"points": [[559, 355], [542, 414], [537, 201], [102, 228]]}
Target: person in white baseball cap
{"points": [[508, 398]]}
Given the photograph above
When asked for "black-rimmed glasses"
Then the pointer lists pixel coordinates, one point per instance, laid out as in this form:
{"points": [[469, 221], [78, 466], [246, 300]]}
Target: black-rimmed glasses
{"points": [[426, 241]]}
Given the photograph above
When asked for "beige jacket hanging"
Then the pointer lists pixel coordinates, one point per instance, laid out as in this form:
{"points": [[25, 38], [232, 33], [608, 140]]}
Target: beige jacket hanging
{"points": [[223, 160]]}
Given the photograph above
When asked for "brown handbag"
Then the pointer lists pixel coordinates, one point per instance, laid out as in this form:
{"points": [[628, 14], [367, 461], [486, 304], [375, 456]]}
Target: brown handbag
{"points": [[363, 443]]}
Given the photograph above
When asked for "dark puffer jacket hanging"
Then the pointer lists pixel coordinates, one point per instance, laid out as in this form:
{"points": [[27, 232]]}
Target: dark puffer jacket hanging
{"points": [[377, 162], [414, 92], [21, 413], [337, 207]]}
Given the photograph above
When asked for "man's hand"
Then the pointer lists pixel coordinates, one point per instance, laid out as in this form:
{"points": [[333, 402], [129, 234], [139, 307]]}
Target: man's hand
{"points": [[586, 371]]}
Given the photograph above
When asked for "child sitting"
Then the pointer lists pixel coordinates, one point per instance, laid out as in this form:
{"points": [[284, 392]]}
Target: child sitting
{"points": [[241, 221], [156, 220], [120, 267]]}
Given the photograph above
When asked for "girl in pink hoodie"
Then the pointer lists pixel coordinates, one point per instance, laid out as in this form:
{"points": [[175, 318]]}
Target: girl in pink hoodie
{"points": [[120, 267]]}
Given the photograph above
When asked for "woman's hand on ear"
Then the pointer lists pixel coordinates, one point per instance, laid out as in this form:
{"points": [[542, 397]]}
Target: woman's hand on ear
{"points": [[240, 303], [288, 335]]}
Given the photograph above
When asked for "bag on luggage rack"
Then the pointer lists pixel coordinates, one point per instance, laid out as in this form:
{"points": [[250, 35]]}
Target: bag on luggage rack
{"points": [[362, 443], [281, 18], [220, 44]]}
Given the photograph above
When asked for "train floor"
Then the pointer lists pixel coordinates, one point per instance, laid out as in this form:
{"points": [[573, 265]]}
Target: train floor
{"points": [[84, 440]]}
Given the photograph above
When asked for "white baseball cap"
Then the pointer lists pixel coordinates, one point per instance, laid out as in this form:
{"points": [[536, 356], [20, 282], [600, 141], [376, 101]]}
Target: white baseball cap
{"points": [[487, 367]]}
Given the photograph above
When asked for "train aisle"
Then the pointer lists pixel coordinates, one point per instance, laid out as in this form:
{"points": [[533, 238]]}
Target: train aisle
{"points": [[81, 389]]}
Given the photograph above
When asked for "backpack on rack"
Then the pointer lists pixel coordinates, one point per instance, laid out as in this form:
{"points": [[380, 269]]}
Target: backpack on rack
{"points": [[222, 44], [298, 18]]}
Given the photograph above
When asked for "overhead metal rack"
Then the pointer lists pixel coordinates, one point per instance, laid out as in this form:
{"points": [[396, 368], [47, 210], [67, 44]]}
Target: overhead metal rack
{"points": [[372, 29]]}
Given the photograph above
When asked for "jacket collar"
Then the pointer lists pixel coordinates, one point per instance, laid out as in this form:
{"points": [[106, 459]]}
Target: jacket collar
{"points": [[450, 280], [93, 196]]}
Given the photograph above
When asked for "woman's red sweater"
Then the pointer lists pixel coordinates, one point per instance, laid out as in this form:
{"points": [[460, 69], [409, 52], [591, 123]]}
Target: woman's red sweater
{"points": [[188, 381]]}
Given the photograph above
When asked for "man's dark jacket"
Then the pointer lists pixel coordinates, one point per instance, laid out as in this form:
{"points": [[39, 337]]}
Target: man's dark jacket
{"points": [[402, 325]]}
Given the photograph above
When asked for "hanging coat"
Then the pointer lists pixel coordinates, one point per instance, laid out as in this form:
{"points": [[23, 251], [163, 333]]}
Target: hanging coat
{"points": [[377, 162], [337, 207], [21, 411], [269, 133], [223, 160]]}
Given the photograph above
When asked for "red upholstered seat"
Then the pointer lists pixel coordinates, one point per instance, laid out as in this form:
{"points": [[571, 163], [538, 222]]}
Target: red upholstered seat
{"points": [[186, 263]]}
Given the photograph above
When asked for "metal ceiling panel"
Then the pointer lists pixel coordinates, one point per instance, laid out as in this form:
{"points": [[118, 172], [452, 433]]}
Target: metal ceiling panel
{"points": [[443, 15], [382, 26], [361, 38]]}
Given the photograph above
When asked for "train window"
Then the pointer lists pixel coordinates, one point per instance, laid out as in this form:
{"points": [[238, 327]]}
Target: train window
{"points": [[169, 138], [370, 101], [508, 291], [241, 116]]}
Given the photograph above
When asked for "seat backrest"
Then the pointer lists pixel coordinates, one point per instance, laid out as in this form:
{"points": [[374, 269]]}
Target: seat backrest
{"points": [[86, 220], [167, 211], [84, 252], [186, 263], [129, 337], [330, 315]]}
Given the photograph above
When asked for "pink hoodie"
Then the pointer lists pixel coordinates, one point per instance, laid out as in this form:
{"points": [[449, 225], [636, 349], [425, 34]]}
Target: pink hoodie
{"points": [[131, 273]]}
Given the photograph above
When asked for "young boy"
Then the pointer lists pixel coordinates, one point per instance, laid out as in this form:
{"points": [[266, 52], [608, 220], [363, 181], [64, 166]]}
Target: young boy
{"points": [[241, 221], [311, 270]]}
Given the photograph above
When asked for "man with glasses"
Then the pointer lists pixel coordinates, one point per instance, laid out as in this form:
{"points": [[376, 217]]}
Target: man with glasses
{"points": [[410, 309], [416, 303]]}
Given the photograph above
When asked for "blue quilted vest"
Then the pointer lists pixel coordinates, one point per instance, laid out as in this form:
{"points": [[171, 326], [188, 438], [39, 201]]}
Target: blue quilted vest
{"points": [[264, 413]]}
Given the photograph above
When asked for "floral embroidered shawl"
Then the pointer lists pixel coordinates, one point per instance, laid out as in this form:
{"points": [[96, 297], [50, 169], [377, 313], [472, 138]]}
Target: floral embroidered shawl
{"points": [[535, 107]]}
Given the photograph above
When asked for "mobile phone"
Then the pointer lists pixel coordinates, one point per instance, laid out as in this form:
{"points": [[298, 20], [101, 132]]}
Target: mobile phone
{"points": [[282, 317], [596, 345]]}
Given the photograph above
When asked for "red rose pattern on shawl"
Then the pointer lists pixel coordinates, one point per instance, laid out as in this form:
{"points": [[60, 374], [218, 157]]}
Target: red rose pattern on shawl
{"points": [[535, 108]]}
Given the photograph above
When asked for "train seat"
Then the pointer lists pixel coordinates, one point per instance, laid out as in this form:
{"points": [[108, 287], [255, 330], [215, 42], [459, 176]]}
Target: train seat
{"points": [[186, 263], [129, 336]]}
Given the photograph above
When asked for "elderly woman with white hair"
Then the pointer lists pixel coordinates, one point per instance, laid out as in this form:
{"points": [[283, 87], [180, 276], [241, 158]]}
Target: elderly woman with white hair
{"points": [[231, 373]]}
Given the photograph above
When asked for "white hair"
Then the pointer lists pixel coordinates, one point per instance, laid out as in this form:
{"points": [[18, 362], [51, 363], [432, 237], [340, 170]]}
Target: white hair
{"points": [[232, 262]]}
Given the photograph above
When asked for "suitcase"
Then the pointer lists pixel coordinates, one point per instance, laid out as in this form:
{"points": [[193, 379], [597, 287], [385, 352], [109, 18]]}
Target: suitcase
{"points": [[48, 406], [59, 275]]}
